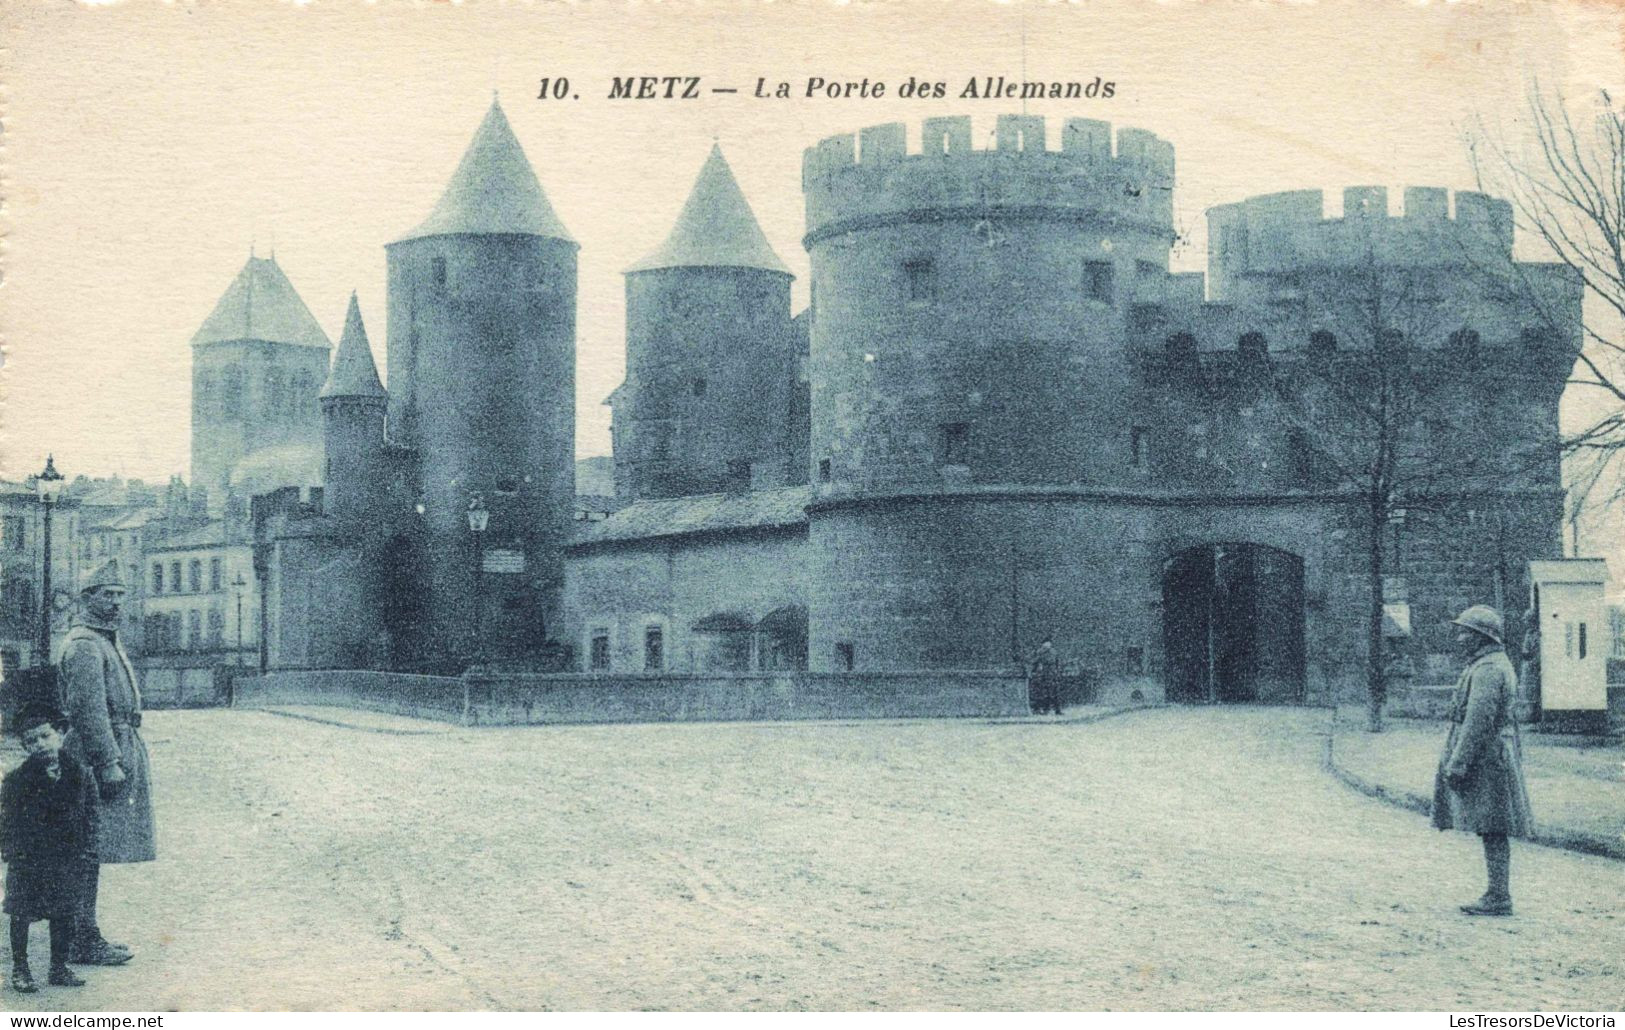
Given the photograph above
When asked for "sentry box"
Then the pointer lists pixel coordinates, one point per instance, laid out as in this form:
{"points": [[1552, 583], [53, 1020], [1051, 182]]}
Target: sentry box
{"points": [[1572, 616]]}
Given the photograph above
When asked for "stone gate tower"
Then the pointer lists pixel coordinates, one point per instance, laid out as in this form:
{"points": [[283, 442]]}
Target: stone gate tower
{"points": [[481, 366], [968, 368]]}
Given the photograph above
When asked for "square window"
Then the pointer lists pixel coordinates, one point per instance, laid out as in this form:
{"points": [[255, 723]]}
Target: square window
{"points": [[1097, 280], [654, 649], [921, 276], [953, 443], [1137, 437]]}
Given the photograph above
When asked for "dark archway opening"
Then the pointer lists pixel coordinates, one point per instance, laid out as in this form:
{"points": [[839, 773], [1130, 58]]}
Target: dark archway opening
{"points": [[400, 596], [782, 639], [1233, 625]]}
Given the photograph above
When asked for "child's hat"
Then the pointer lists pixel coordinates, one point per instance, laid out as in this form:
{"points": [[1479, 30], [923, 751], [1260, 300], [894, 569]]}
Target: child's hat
{"points": [[37, 714]]}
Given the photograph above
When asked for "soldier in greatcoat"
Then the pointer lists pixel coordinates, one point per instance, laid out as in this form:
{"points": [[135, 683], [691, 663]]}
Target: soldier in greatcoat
{"points": [[104, 703], [1479, 786], [1044, 679]]}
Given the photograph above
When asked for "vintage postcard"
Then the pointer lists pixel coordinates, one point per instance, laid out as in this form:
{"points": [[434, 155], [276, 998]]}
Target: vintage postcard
{"points": [[812, 506]]}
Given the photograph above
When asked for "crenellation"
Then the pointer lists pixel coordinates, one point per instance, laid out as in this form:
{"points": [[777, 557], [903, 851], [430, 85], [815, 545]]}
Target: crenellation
{"points": [[1427, 202], [1365, 202], [856, 176], [1019, 134], [1088, 139], [882, 144], [945, 137]]}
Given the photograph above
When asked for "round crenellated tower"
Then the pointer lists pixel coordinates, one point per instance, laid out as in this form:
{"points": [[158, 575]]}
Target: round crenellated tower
{"points": [[969, 303], [969, 306], [481, 342]]}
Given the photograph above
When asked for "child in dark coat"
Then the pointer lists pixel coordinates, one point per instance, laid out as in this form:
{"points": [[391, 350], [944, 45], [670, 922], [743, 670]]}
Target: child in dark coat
{"points": [[47, 833]]}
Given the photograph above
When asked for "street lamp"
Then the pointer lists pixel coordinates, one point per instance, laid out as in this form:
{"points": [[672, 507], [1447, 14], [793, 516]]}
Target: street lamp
{"points": [[479, 517], [237, 585], [49, 486]]}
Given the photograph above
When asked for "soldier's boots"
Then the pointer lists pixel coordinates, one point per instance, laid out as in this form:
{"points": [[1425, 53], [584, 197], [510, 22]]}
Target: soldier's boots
{"points": [[1489, 905], [22, 979], [62, 976], [99, 952]]}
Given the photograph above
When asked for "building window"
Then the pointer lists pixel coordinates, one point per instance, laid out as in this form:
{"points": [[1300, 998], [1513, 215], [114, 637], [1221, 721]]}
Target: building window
{"points": [[844, 657], [921, 275], [157, 577], [438, 271], [174, 577], [217, 627], [699, 387], [823, 470], [194, 622], [953, 443], [1097, 280], [1322, 342], [654, 649], [739, 474], [1582, 641], [598, 650], [1134, 661], [1136, 446], [194, 575], [214, 574], [15, 530]]}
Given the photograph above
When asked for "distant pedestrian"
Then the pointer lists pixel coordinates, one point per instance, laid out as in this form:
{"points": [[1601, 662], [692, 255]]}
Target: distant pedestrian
{"points": [[1479, 787], [104, 703], [47, 837], [1044, 679], [1529, 670]]}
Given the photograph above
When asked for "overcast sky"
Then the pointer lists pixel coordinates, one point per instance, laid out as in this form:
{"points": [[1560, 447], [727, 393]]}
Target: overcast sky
{"points": [[147, 146]]}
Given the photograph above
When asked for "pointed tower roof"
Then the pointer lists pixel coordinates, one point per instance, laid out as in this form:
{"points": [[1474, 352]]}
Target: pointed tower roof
{"points": [[716, 228], [261, 304], [354, 374], [494, 190]]}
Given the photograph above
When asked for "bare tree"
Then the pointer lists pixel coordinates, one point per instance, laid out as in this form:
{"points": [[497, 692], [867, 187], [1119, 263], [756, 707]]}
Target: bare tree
{"points": [[1564, 175], [1384, 401]]}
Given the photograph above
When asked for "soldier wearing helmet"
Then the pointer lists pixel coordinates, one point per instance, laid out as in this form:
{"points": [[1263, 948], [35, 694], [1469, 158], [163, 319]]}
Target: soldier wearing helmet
{"points": [[1479, 787]]}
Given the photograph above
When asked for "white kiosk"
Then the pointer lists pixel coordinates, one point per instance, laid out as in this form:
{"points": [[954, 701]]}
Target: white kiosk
{"points": [[1568, 598]]}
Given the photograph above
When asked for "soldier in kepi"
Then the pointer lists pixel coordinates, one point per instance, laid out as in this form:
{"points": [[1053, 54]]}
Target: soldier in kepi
{"points": [[104, 703], [1479, 787]]}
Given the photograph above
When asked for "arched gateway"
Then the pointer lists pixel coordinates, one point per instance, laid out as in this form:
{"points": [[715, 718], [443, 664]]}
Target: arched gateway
{"points": [[1233, 624]]}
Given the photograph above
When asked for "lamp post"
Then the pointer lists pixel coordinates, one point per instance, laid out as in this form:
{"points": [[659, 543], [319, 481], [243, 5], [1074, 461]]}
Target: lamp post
{"points": [[237, 585], [479, 517], [49, 486]]}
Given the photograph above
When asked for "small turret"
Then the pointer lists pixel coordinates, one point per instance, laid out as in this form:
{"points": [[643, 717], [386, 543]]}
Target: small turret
{"points": [[353, 410], [708, 343]]}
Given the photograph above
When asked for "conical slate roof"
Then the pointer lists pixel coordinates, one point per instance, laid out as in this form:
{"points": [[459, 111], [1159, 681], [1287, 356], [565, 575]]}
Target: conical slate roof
{"points": [[494, 190], [354, 373], [261, 304], [716, 228]]}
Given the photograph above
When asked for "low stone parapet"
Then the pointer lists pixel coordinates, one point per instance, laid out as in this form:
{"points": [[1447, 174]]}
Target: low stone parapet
{"points": [[507, 700]]}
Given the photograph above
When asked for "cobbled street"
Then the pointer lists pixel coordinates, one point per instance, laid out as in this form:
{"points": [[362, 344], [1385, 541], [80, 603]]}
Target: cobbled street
{"points": [[1176, 858]]}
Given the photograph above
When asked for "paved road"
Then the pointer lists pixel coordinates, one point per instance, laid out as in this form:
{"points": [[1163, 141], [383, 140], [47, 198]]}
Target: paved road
{"points": [[1180, 858]]}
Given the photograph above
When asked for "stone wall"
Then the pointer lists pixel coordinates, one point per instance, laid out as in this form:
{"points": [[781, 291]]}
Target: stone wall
{"points": [[509, 700]]}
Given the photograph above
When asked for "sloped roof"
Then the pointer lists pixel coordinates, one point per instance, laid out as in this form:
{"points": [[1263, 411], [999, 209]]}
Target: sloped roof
{"points": [[716, 228], [261, 304], [703, 513], [210, 534], [493, 191], [271, 468], [354, 373]]}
